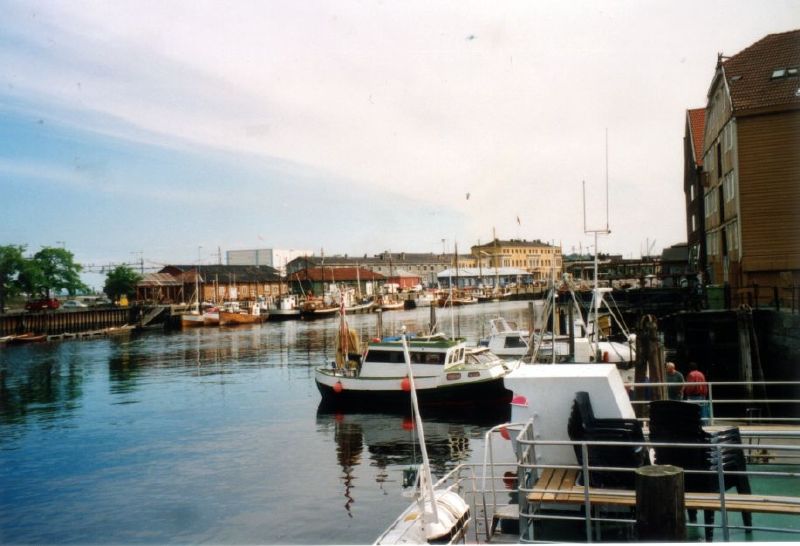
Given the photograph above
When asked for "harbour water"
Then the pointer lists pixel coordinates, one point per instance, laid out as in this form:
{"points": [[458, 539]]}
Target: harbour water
{"points": [[211, 435]]}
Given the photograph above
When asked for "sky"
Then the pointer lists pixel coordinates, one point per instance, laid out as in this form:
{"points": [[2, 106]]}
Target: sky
{"points": [[168, 132]]}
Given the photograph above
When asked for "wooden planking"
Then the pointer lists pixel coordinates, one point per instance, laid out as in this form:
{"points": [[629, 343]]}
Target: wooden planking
{"points": [[558, 485], [769, 190]]}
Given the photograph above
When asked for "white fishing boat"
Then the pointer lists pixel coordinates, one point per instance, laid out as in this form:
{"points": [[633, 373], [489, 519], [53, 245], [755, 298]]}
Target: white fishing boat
{"points": [[446, 372], [284, 308], [506, 339], [191, 319], [438, 515], [211, 316]]}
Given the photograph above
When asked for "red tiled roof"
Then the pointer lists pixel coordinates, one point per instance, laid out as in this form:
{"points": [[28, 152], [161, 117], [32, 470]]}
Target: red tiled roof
{"points": [[749, 74], [697, 127]]}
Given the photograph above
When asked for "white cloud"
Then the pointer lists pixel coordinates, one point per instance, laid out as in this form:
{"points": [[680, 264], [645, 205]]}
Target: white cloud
{"points": [[508, 102]]}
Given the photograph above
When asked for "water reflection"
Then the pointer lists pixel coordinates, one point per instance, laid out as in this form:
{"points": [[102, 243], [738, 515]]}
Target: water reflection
{"points": [[389, 441], [117, 439], [39, 384]]}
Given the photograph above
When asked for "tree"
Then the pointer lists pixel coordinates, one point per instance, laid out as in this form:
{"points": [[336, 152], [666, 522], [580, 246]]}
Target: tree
{"points": [[12, 264], [57, 271], [121, 280]]}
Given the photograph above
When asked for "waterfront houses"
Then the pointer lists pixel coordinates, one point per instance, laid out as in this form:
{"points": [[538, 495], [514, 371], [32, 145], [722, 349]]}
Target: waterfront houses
{"points": [[748, 166], [216, 283]]}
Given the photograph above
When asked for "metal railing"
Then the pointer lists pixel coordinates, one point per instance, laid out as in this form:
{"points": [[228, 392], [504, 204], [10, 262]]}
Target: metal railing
{"points": [[592, 517], [757, 400]]}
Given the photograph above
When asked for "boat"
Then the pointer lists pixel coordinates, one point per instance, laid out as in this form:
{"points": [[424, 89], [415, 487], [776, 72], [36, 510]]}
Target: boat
{"points": [[447, 299], [284, 308], [493, 295], [420, 299], [438, 514], [354, 304], [191, 319], [211, 316], [446, 372], [232, 315], [506, 339], [316, 308], [28, 337], [561, 413], [391, 302]]}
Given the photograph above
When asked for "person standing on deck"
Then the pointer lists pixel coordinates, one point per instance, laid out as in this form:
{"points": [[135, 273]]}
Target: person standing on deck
{"points": [[697, 390], [675, 378]]}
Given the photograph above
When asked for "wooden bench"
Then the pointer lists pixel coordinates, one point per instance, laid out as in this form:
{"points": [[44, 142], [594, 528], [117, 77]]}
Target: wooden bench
{"points": [[558, 485]]}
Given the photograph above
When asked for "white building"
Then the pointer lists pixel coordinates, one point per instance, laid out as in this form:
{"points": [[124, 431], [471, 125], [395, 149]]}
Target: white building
{"points": [[273, 257]]}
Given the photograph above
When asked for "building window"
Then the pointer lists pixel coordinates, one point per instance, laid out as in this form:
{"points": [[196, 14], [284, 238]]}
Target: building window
{"points": [[691, 192], [694, 223], [711, 243], [732, 234], [728, 187]]}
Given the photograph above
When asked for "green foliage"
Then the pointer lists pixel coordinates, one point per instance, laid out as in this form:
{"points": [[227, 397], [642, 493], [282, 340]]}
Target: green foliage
{"points": [[12, 264], [121, 280], [57, 271]]}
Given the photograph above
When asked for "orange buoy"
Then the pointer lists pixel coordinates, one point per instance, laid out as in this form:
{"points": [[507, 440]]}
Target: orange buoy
{"points": [[605, 356], [504, 433], [337, 387], [408, 424], [405, 384]]}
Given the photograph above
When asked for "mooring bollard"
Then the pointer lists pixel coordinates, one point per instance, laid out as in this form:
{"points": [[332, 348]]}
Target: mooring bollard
{"points": [[660, 504]]}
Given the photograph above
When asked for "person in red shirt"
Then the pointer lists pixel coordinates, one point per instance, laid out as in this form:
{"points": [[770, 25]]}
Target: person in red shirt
{"points": [[696, 390]]}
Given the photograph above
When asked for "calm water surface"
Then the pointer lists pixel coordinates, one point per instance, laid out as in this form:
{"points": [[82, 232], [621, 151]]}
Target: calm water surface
{"points": [[210, 435]]}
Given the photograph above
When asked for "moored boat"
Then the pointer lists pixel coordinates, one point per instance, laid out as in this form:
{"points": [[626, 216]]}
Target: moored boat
{"points": [[234, 316], [446, 372], [439, 514], [506, 339], [211, 316], [192, 319], [284, 308], [28, 337], [316, 307]]}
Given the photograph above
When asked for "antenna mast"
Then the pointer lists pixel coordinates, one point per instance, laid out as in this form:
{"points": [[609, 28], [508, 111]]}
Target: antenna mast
{"points": [[596, 232]]}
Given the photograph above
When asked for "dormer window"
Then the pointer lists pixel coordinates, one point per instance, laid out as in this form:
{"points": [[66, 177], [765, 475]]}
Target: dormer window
{"points": [[790, 72]]}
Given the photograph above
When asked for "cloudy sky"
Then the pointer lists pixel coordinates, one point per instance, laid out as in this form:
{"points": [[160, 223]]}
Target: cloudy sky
{"points": [[169, 130]]}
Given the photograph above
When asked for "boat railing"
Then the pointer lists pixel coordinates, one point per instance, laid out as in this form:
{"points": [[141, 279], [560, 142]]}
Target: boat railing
{"points": [[592, 517], [498, 490], [759, 408]]}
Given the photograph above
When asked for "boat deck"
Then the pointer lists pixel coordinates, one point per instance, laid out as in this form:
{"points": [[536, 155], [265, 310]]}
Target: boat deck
{"points": [[558, 485]]}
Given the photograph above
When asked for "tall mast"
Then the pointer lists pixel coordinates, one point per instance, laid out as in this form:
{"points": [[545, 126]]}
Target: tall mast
{"points": [[596, 232]]}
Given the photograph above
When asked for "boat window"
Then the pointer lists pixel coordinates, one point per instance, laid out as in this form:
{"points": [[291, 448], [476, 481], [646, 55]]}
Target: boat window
{"points": [[515, 342], [394, 357], [483, 357], [434, 358]]}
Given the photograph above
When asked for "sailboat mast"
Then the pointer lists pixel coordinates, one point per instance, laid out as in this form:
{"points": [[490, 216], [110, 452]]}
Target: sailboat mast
{"points": [[426, 467]]}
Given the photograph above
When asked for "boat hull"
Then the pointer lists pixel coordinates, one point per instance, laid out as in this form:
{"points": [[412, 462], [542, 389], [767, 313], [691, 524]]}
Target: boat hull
{"points": [[357, 309], [313, 314], [388, 392], [234, 319], [191, 320], [283, 314]]}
